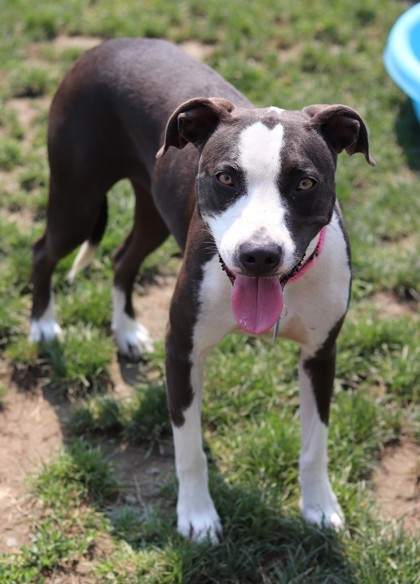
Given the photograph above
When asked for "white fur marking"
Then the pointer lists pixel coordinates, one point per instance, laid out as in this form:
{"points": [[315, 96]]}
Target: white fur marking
{"points": [[45, 328], [132, 338], [197, 515], [215, 318], [260, 148], [319, 503], [83, 258]]}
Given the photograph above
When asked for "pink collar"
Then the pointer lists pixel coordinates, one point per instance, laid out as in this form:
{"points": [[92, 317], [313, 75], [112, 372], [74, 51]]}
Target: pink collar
{"points": [[306, 265]]}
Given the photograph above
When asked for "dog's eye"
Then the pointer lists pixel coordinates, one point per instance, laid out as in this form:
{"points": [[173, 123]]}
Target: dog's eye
{"points": [[306, 184], [225, 179]]}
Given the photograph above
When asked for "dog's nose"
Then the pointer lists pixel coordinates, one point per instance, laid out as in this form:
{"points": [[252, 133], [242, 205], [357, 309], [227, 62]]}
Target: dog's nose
{"points": [[260, 260]]}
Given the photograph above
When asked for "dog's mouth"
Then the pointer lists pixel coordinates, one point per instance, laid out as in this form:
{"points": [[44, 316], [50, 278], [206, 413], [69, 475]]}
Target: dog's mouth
{"points": [[256, 302]]}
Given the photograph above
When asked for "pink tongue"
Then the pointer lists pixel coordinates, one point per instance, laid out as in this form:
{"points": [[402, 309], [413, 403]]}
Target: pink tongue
{"points": [[256, 303]]}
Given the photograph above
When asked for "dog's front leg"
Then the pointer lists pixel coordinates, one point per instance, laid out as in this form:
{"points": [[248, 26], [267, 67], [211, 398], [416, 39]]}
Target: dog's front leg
{"points": [[316, 377], [197, 516]]}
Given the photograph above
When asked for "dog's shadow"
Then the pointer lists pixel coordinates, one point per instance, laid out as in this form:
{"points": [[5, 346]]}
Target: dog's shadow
{"points": [[261, 542], [130, 369]]}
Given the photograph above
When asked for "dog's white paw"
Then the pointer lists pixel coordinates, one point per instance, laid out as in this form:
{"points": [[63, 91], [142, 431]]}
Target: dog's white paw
{"points": [[330, 517], [201, 524], [133, 339], [44, 330], [321, 507]]}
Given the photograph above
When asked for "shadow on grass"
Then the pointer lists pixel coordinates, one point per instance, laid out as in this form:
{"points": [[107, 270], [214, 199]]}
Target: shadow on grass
{"points": [[407, 130], [260, 543], [130, 369]]}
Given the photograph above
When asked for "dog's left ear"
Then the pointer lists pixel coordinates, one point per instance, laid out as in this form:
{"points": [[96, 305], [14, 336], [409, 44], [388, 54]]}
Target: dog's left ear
{"points": [[342, 127], [194, 121]]}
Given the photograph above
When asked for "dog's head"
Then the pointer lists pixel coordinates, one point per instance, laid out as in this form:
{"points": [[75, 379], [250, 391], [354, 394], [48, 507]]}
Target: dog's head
{"points": [[266, 178]]}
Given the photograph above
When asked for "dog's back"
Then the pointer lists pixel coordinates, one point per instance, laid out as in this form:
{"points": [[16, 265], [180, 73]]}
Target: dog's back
{"points": [[108, 117]]}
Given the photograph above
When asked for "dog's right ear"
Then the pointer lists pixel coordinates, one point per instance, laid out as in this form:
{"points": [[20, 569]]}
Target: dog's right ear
{"points": [[194, 121]]}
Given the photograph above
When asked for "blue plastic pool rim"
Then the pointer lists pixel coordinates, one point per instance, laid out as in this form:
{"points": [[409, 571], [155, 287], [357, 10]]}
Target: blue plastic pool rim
{"points": [[401, 62]]}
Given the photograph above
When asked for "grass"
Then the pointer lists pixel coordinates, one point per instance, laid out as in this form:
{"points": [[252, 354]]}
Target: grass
{"points": [[3, 396], [289, 54]]}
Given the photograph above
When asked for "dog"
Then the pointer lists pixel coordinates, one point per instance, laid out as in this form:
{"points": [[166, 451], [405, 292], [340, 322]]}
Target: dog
{"points": [[249, 196]]}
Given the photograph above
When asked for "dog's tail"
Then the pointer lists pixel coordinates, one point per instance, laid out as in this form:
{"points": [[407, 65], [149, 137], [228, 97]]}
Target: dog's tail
{"points": [[88, 247]]}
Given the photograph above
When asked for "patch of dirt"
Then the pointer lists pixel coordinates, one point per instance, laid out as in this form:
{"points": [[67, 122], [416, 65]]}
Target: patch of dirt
{"points": [[9, 181], [30, 435], [152, 309], [32, 428], [408, 242], [22, 217], [27, 109], [197, 50], [397, 485], [141, 472], [289, 54], [62, 42], [389, 305]]}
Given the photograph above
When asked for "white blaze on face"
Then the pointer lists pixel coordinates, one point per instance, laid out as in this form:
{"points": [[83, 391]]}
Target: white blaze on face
{"points": [[260, 207]]}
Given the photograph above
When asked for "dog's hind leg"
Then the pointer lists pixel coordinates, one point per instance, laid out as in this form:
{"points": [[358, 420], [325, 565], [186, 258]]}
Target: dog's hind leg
{"points": [[88, 247], [43, 326], [148, 232], [68, 225]]}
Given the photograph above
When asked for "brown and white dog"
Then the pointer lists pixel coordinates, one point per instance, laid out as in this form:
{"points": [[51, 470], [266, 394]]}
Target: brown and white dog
{"points": [[248, 194]]}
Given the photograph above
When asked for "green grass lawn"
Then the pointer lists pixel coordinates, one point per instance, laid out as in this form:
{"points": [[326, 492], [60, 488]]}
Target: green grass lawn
{"points": [[288, 54]]}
